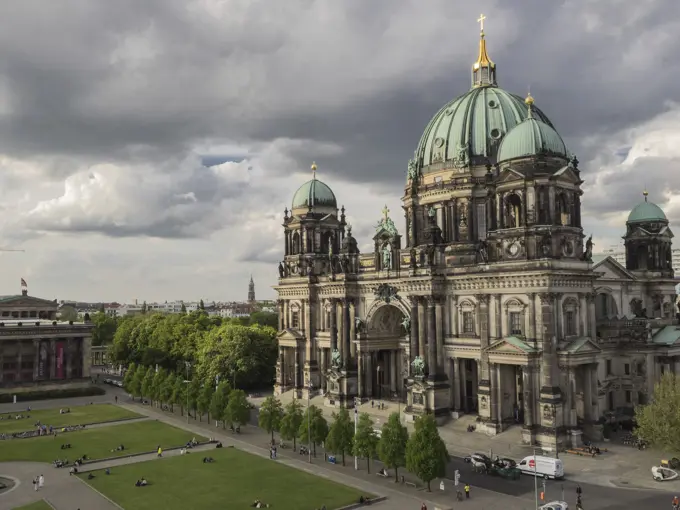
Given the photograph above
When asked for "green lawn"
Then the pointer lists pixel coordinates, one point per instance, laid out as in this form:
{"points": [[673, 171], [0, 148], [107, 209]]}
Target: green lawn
{"points": [[233, 481], [96, 443], [38, 505], [78, 416]]}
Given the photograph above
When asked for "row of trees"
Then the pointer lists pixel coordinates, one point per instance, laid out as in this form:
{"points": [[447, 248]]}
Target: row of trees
{"points": [[242, 350], [220, 402], [423, 453]]}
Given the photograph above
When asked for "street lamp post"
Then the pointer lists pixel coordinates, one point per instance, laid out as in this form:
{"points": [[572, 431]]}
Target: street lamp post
{"points": [[535, 479], [356, 423], [309, 429], [187, 365]]}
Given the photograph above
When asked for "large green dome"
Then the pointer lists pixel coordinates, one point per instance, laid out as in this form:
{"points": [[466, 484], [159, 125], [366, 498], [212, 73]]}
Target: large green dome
{"points": [[532, 137], [314, 193], [646, 212], [469, 129]]}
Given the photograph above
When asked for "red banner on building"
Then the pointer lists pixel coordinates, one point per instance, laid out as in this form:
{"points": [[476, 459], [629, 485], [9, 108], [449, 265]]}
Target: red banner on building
{"points": [[60, 360]]}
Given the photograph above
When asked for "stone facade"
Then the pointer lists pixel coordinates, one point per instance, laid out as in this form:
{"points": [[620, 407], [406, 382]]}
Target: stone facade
{"points": [[35, 349], [491, 302]]}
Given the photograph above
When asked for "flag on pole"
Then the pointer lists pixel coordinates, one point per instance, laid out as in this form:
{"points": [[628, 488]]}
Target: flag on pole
{"points": [[23, 283]]}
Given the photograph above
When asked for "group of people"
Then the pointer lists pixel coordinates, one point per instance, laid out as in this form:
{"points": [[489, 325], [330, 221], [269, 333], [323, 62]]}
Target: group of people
{"points": [[141, 482], [38, 483], [259, 504]]}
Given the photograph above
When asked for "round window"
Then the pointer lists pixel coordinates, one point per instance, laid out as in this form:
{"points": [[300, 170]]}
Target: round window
{"points": [[439, 142], [495, 133], [493, 104]]}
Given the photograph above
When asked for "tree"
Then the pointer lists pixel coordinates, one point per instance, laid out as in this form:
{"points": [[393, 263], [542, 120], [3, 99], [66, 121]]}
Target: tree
{"points": [[179, 396], [201, 305], [194, 389], [219, 401], [392, 444], [426, 455], [68, 313], [365, 440], [147, 383], [317, 432], [137, 380], [167, 390], [158, 379], [102, 308], [129, 376], [271, 414], [291, 421], [340, 434], [183, 309], [238, 408], [104, 329], [204, 398], [658, 421], [264, 319]]}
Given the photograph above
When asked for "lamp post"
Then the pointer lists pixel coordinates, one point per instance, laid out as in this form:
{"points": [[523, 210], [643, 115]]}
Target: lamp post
{"points": [[309, 429], [535, 479], [356, 423], [187, 365]]}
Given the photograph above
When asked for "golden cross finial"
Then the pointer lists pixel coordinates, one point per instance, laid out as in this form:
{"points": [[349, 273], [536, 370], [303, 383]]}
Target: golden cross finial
{"points": [[314, 170], [645, 193], [385, 211], [481, 22]]}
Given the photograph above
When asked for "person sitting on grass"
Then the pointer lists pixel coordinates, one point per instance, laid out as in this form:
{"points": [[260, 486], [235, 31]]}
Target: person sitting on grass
{"points": [[208, 460], [259, 504], [73, 471], [219, 444], [90, 476]]}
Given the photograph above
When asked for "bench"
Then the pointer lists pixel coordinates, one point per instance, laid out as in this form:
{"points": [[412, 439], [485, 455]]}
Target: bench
{"points": [[580, 453]]}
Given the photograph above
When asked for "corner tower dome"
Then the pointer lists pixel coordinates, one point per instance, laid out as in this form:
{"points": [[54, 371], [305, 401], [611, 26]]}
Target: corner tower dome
{"points": [[314, 195], [646, 212], [532, 137], [468, 130]]}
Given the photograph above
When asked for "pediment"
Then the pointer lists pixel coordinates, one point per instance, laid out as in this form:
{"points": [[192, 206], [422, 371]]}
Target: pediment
{"points": [[610, 269], [26, 302], [566, 174], [582, 345], [509, 175], [289, 334], [510, 345]]}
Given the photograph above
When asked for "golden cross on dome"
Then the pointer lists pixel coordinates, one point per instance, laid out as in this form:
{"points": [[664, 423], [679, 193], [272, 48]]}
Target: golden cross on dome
{"points": [[481, 22], [314, 170], [385, 211]]}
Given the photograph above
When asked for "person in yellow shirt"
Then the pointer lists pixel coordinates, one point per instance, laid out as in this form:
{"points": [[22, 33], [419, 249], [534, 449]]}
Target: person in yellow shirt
{"points": [[160, 451], [467, 491]]}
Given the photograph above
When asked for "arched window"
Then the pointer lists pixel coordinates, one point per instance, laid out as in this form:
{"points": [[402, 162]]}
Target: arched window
{"points": [[513, 211], [295, 248], [563, 210]]}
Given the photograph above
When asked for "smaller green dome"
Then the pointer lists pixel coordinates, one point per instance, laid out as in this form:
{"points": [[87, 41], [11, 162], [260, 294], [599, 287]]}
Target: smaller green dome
{"points": [[645, 212], [532, 137], [314, 193]]}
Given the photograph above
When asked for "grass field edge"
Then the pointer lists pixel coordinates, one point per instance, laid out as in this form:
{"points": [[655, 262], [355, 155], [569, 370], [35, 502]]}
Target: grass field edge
{"points": [[100, 493]]}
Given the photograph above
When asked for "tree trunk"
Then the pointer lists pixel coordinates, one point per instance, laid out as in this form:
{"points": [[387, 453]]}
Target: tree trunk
{"points": [[343, 458], [368, 464], [181, 410], [272, 436], [294, 443], [428, 486], [396, 474], [314, 449]]}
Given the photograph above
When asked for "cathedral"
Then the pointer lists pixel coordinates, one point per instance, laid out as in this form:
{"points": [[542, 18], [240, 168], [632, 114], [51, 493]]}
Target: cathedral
{"points": [[490, 302]]}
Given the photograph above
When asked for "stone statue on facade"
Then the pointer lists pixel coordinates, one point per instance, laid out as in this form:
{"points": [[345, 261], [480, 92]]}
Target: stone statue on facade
{"points": [[387, 257], [413, 255], [344, 264], [430, 255], [482, 251], [359, 324], [406, 324], [336, 359], [418, 366], [282, 271], [412, 170], [588, 254], [462, 156], [386, 293]]}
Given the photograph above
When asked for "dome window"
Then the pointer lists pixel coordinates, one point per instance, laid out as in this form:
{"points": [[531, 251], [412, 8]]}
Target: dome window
{"points": [[449, 111], [495, 134], [439, 142], [493, 104]]}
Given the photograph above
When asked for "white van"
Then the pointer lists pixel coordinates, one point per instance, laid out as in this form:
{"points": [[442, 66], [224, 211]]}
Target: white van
{"points": [[546, 467]]}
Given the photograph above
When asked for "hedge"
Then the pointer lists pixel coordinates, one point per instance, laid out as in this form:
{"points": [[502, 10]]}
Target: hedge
{"points": [[25, 396]]}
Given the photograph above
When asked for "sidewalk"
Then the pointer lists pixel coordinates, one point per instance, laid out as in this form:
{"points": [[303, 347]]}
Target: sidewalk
{"points": [[255, 441]]}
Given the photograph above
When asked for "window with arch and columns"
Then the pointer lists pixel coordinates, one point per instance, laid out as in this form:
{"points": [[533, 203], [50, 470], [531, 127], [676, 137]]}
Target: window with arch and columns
{"points": [[467, 318], [570, 314], [294, 319], [515, 317]]}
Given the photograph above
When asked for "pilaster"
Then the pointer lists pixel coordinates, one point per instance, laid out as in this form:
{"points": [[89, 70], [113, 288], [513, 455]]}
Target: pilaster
{"points": [[431, 338], [414, 341]]}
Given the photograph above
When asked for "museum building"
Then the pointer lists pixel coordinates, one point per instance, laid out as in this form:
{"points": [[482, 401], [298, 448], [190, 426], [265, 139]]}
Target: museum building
{"points": [[36, 349], [490, 302]]}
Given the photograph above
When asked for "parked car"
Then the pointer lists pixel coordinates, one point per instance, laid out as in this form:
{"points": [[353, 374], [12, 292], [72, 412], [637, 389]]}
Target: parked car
{"points": [[477, 458], [547, 467], [555, 505]]}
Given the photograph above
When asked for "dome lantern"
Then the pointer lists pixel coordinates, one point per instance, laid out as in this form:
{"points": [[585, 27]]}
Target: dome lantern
{"points": [[647, 212], [314, 195], [483, 70]]}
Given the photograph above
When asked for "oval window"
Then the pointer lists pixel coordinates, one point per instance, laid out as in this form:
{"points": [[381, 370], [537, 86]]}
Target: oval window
{"points": [[493, 104], [495, 133], [439, 142]]}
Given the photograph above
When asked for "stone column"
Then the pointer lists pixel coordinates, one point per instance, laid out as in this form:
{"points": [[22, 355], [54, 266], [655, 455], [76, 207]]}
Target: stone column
{"points": [[334, 325], [339, 311], [422, 329], [309, 332], [483, 310], [588, 393], [361, 360], [676, 365], [69, 358], [53, 358], [532, 317], [414, 345], [298, 383], [582, 315], [499, 394], [456, 380], [431, 338], [650, 362], [280, 311], [592, 320], [369, 373], [324, 383], [393, 371], [36, 360], [571, 400], [286, 318], [20, 360], [498, 312], [594, 392], [345, 333], [353, 329], [528, 397], [281, 370], [548, 364], [439, 328]]}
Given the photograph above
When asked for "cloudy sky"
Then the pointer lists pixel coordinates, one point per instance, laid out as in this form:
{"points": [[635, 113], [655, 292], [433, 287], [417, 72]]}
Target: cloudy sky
{"points": [[110, 111]]}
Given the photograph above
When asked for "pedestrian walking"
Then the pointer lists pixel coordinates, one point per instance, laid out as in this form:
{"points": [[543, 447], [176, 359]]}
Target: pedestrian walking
{"points": [[160, 452], [467, 491], [41, 481], [116, 399], [35, 484], [579, 491]]}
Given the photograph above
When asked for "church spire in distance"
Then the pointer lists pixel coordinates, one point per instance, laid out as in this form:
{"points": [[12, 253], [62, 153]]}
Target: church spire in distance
{"points": [[483, 70], [251, 290]]}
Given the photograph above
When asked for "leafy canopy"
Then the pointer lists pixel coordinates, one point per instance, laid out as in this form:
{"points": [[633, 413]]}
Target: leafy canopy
{"points": [[426, 454]]}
